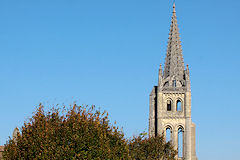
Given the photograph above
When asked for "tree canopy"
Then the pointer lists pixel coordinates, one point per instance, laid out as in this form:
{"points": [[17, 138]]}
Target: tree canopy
{"points": [[80, 133], [144, 148]]}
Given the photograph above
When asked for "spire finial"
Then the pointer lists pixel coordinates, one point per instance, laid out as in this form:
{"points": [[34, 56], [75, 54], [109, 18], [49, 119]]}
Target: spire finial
{"points": [[174, 11]]}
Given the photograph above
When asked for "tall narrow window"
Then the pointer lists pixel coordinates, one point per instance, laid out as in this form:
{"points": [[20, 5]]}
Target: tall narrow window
{"points": [[169, 105], [168, 134], [174, 83], [180, 142], [179, 105]]}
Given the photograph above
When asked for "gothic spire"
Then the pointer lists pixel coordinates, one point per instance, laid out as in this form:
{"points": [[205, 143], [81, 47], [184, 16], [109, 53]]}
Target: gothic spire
{"points": [[174, 66]]}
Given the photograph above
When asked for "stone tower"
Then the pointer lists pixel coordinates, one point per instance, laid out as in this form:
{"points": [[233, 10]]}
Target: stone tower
{"points": [[170, 101]]}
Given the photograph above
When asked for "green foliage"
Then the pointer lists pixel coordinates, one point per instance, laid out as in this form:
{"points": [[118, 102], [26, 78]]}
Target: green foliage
{"points": [[81, 133], [153, 148]]}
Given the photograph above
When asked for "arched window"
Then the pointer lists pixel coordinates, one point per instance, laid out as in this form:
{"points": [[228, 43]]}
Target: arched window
{"points": [[180, 142], [169, 105], [179, 105], [168, 134]]}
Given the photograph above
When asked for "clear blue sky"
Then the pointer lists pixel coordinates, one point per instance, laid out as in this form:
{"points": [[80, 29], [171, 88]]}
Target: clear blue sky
{"points": [[107, 53]]}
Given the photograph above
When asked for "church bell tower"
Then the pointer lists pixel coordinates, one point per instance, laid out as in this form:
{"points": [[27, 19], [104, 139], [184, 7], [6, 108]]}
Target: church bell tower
{"points": [[170, 101]]}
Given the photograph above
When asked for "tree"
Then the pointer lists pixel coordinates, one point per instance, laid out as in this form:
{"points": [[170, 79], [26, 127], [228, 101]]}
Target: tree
{"points": [[78, 133], [153, 148]]}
